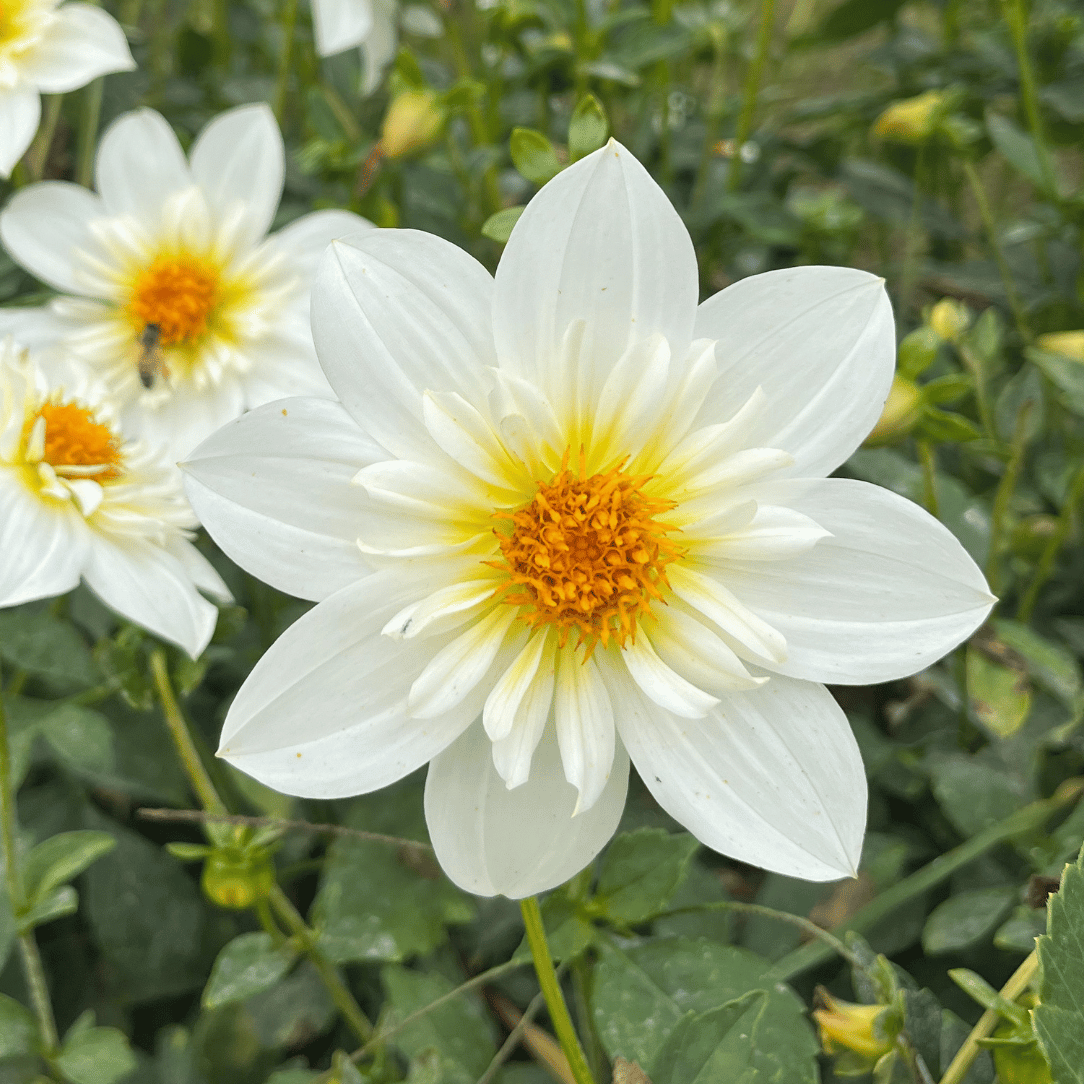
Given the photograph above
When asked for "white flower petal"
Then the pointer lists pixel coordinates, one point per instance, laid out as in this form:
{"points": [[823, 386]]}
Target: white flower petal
{"points": [[43, 547], [584, 719], [140, 164], [274, 490], [442, 611], [396, 313], [820, 341], [149, 586], [238, 160], [199, 570], [324, 712], [773, 533], [455, 670], [83, 43], [500, 715], [20, 112], [491, 840], [772, 777], [460, 431], [631, 400], [340, 24], [380, 45], [44, 224], [889, 593], [660, 683], [698, 654], [306, 238], [599, 243]]}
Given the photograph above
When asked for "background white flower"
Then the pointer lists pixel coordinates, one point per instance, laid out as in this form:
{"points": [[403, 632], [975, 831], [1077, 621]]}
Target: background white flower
{"points": [[50, 49], [79, 501], [369, 24], [175, 284], [595, 516]]}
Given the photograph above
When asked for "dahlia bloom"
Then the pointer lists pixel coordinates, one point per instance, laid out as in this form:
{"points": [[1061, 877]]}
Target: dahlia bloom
{"points": [[565, 518], [50, 49], [175, 298], [77, 500], [369, 24]]}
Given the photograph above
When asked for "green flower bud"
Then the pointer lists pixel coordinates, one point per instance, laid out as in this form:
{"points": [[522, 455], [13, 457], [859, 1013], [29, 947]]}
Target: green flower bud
{"points": [[902, 412], [845, 1026], [412, 123], [912, 120], [1069, 344], [918, 351], [238, 879], [950, 319]]}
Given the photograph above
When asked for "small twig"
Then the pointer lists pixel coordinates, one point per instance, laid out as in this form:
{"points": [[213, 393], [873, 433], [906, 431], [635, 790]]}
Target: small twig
{"points": [[197, 816], [515, 1036]]}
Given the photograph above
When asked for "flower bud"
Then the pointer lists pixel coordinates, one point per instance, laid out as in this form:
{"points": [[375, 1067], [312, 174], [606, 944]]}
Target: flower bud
{"points": [[912, 120], [237, 879], [902, 411], [1023, 1064], [845, 1026], [412, 123], [950, 319], [1069, 344], [918, 351]]}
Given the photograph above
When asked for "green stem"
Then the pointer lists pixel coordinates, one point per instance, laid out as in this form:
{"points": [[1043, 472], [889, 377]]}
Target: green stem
{"points": [[1015, 12], [1024, 820], [329, 973], [88, 132], [1003, 497], [1017, 984], [289, 25], [182, 739], [927, 457], [990, 226], [551, 990], [39, 149], [751, 91], [982, 391], [1052, 549], [33, 971]]}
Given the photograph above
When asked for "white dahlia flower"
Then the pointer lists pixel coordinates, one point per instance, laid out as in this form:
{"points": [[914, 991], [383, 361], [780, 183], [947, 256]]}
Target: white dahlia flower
{"points": [[566, 518], [77, 500], [176, 298], [53, 49], [369, 24]]}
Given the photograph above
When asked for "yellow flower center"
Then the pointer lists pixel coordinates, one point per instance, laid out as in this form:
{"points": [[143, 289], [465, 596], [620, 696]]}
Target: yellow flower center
{"points": [[177, 295], [587, 554], [73, 438]]}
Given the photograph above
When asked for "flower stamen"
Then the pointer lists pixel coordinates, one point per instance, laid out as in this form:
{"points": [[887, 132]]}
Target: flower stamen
{"points": [[178, 295], [73, 442]]}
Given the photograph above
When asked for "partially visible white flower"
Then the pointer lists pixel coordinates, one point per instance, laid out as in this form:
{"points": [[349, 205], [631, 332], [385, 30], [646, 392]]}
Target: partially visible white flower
{"points": [[77, 500], [50, 49], [175, 284], [370, 24], [566, 518]]}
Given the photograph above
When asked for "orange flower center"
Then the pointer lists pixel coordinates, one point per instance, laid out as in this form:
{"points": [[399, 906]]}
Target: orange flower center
{"points": [[177, 295], [73, 438], [587, 554]]}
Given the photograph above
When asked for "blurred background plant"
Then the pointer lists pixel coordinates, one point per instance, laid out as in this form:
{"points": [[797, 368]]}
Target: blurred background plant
{"points": [[934, 142]]}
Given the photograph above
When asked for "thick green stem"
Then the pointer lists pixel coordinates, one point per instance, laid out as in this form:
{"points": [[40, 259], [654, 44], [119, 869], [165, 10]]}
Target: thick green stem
{"points": [[551, 990], [752, 90], [1017, 984], [1024, 820], [38, 154], [289, 26], [927, 457], [182, 739], [1003, 497], [88, 132], [33, 971]]}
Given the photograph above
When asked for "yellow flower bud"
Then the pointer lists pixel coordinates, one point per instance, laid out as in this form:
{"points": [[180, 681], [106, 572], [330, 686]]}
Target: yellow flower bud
{"points": [[912, 120], [237, 879], [845, 1026], [1069, 344], [950, 319], [902, 411], [412, 123]]}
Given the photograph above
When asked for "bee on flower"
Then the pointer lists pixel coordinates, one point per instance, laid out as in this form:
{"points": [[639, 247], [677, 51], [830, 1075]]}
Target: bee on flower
{"points": [[51, 48], [78, 500], [172, 294], [565, 518]]}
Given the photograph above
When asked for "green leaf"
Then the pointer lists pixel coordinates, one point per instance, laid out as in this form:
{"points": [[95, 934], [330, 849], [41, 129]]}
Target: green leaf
{"points": [[59, 859], [189, 852], [854, 17], [713, 1046], [1019, 931], [568, 933], [294, 1011], [47, 647], [248, 964], [974, 795], [1066, 374], [533, 155], [944, 427], [63, 901], [82, 740], [96, 1056], [1018, 149], [498, 227], [1000, 695], [964, 919], [640, 873], [947, 389], [1052, 666], [640, 996], [588, 129], [1059, 1017], [454, 1043], [18, 1030]]}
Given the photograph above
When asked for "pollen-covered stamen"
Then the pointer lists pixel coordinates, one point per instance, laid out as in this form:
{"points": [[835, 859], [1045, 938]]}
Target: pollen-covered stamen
{"points": [[177, 295], [73, 442], [587, 554]]}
